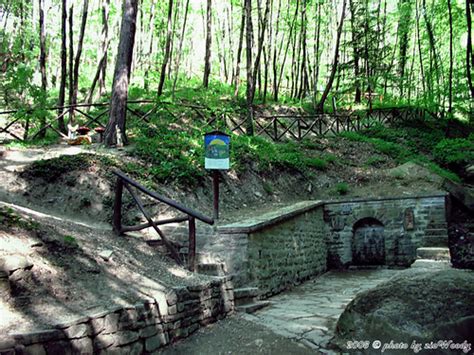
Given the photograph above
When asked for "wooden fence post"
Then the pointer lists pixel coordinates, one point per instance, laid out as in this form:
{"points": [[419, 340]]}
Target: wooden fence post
{"points": [[192, 244], [117, 217]]}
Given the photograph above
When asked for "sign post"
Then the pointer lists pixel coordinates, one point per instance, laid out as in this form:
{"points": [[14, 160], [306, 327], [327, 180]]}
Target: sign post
{"points": [[217, 157]]}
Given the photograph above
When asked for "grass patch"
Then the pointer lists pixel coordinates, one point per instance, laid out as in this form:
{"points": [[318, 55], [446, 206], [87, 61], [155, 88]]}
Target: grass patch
{"points": [[8, 218], [341, 188]]}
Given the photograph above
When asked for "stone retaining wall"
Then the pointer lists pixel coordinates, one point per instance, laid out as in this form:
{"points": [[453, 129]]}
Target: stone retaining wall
{"points": [[272, 251], [140, 328]]}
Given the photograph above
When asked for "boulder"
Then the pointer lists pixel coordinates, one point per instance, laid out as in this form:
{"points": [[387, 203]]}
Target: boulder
{"points": [[416, 305]]}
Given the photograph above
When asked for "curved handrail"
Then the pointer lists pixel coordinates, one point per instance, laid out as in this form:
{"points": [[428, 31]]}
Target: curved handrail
{"points": [[163, 199]]}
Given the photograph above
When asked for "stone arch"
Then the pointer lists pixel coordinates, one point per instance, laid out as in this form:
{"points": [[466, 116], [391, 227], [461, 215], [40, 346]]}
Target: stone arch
{"points": [[368, 242]]}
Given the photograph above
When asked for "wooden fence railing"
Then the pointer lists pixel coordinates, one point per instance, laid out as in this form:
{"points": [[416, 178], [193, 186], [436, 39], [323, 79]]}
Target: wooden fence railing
{"points": [[275, 127], [190, 217], [80, 113], [298, 127]]}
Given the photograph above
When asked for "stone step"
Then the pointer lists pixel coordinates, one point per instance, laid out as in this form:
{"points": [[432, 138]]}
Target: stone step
{"points": [[433, 253], [435, 241], [212, 269], [433, 231], [246, 295], [431, 264], [246, 292], [252, 307], [437, 225]]}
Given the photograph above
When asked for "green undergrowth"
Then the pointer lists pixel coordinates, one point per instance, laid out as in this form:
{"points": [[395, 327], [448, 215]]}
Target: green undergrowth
{"points": [[426, 147], [8, 218]]}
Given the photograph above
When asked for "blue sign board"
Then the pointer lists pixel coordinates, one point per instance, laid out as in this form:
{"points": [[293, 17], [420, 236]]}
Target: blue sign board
{"points": [[217, 150]]}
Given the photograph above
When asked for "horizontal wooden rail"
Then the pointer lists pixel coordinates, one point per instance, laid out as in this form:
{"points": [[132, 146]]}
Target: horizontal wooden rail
{"points": [[163, 199]]}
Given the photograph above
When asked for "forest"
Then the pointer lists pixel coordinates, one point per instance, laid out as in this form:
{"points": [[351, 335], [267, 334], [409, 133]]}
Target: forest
{"points": [[319, 55]]}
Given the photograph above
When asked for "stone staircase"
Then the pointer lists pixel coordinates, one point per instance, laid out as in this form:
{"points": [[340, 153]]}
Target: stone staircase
{"points": [[429, 257], [246, 300]]}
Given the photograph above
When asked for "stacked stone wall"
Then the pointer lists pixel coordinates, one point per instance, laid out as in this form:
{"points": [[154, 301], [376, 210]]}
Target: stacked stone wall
{"points": [[136, 329], [283, 255]]}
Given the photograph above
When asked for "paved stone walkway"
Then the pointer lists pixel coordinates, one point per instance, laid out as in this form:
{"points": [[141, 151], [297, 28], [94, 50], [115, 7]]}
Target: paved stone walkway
{"points": [[308, 314], [300, 321]]}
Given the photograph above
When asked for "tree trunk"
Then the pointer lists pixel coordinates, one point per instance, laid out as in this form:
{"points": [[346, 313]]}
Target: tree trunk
{"points": [[451, 61], [77, 60], [469, 51], [99, 74], [62, 85], [167, 48], [151, 24], [42, 61], [207, 57], [355, 48], [320, 107], [403, 29], [239, 55], [432, 42], [181, 40], [105, 45], [71, 62], [317, 56], [250, 80], [118, 101], [260, 46]]}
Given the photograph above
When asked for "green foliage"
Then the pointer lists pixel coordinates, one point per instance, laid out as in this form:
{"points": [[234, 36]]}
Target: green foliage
{"points": [[375, 161], [70, 241], [8, 218], [267, 187], [454, 151], [341, 188], [267, 154], [171, 156], [50, 170]]}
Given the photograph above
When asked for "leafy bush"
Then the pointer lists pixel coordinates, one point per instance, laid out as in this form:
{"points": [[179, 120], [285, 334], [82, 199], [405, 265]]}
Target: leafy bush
{"points": [[342, 188], [454, 151]]}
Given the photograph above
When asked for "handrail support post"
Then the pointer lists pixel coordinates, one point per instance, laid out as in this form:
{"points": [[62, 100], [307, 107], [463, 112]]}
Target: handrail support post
{"points": [[117, 217], [192, 244]]}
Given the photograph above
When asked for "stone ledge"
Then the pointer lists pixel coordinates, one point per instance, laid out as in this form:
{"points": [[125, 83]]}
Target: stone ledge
{"points": [[270, 218]]}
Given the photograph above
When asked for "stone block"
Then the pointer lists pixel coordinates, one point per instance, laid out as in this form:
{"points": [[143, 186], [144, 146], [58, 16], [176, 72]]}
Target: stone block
{"points": [[125, 337], [103, 341], [58, 347], [40, 336], [35, 349], [172, 310], [77, 331], [97, 325], [150, 331], [82, 346], [111, 323], [153, 343], [132, 349]]}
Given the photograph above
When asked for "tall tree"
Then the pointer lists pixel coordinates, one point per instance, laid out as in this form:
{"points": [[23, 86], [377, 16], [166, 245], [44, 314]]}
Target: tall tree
{"points": [[469, 51], [207, 57], [250, 80], [100, 73], [167, 48], [239, 53], [118, 101], [335, 63], [77, 59], [42, 59], [451, 61], [403, 31], [62, 85]]}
